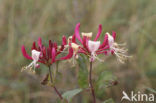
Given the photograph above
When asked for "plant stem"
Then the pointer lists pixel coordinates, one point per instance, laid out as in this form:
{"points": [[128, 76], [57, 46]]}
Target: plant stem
{"points": [[51, 79], [90, 83]]}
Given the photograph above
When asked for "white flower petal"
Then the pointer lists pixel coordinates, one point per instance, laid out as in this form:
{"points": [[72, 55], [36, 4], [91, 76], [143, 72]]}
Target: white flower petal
{"points": [[110, 39], [93, 45], [35, 55]]}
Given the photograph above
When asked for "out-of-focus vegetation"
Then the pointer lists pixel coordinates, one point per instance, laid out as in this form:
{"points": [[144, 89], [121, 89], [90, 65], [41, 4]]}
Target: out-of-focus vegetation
{"points": [[23, 21]]}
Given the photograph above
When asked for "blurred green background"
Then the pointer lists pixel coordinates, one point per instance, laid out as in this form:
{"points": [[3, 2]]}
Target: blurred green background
{"points": [[23, 21]]}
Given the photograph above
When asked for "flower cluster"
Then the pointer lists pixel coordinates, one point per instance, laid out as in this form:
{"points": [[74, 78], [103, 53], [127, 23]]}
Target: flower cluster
{"points": [[46, 55], [75, 45], [92, 48]]}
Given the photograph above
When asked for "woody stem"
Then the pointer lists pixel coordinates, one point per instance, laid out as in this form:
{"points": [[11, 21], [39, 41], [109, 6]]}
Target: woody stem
{"points": [[51, 79], [90, 83]]}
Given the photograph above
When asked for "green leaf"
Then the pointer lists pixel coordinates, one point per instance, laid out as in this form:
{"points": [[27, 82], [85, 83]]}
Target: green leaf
{"points": [[104, 79], [151, 90], [83, 72], [70, 94], [108, 101]]}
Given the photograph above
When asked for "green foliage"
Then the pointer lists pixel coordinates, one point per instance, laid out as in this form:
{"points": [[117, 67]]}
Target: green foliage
{"points": [[151, 90], [108, 101], [104, 79], [83, 72], [70, 94]]}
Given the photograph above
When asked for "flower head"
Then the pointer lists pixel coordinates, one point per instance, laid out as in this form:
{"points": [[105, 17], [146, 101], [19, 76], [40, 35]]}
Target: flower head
{"points": [[87, 46], [92, 48], [46, 55]]}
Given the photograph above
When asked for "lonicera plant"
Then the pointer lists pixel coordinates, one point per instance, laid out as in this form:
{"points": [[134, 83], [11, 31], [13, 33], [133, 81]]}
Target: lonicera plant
{"points": [[47, 56], [75, 45]]}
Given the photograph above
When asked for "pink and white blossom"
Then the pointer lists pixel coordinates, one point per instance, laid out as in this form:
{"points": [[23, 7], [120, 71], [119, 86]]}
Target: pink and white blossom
{"points": [[89, 47], [92, 48], [116, 48], [47, 55]]}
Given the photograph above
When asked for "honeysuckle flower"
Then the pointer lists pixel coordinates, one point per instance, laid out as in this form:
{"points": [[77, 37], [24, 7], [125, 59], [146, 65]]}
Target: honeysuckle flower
{"points": [[75, 48], [35, 57], [47, 55], [92, 48], [89, 47], [116, 48]]}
